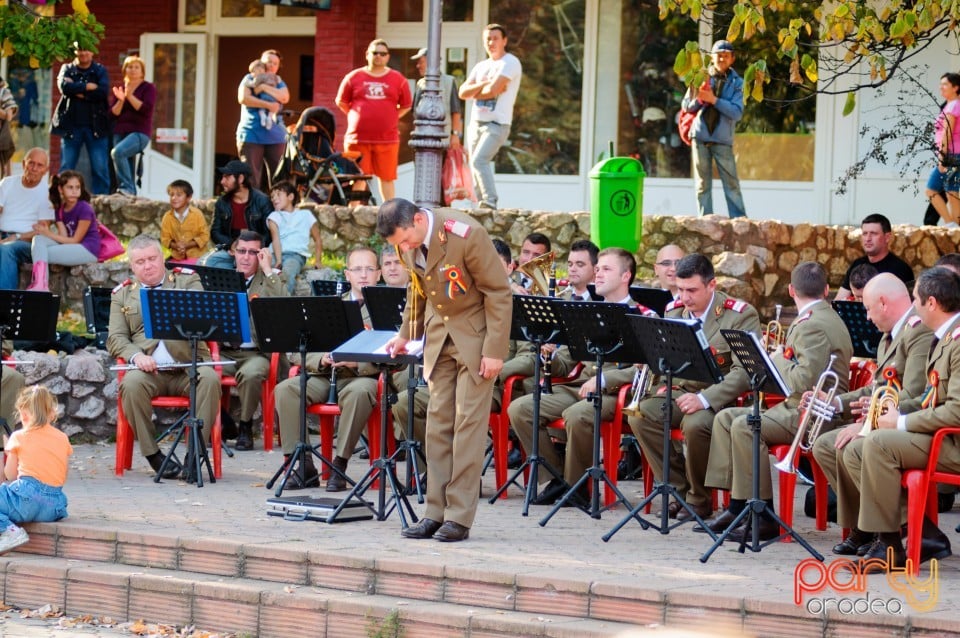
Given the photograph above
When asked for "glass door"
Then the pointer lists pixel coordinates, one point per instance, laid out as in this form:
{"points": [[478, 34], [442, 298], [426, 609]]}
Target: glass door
{"points": [[175, 63]]}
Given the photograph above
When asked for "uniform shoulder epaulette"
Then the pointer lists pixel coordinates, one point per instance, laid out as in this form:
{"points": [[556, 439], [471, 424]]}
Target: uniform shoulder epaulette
{"points": [[913, 321], [180, 270], [804, 317], [737, 305], [646, 312], [673, 305], [956, 333], [121, 285], [460, 229]]}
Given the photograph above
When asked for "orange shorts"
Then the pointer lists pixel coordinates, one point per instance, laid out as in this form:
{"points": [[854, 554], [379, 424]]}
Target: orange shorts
{"points": [[377, 159]]}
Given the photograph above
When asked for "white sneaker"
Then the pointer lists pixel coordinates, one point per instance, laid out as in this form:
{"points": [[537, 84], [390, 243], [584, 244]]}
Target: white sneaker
{"points": [[12, 538]]}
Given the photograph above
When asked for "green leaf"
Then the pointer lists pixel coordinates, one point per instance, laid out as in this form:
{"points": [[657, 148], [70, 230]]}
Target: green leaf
{"points": [[850, 103]]}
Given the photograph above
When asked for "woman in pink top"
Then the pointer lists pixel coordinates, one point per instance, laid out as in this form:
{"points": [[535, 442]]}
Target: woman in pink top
{"points": [[945, 178], [36, 468]]}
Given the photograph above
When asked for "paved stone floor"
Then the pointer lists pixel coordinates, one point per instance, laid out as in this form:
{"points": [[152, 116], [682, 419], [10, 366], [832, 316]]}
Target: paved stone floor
{"points": [[569, 547]]}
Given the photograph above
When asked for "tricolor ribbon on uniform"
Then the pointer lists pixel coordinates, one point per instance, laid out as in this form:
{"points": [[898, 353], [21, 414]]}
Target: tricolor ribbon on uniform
{"points": [[931, 394], [890, 376], [454, 282]]}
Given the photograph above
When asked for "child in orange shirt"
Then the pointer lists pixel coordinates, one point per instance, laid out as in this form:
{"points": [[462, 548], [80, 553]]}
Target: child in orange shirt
{"points": [[36, 468]]}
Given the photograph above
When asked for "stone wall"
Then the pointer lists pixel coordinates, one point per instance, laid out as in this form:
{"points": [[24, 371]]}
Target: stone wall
{"points": [[753, 258]]}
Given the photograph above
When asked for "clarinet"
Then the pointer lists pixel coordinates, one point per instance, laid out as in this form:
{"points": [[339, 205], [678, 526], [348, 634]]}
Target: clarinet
{"points": [[332, 397]]}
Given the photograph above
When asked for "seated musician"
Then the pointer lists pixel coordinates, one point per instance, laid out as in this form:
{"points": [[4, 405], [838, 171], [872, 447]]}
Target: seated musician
{"points": [[616, 269], [394, 274], [534, 245], [581, 266], [817, 334], [695, 403], [252, 366], [901, 361], [665, 268], [859, 276], [127, 340], [904, 436], [875, 237], [10, 385], [356, 387]]}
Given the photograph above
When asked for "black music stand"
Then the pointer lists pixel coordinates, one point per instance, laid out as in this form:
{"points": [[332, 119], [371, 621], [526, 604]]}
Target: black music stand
{"points": [[368, 346], [96, 313], [863, 333], [303, 324], [28, 316], [385, 305], [600, 331], [329, 288], [539, 323], [656, 299], [675, 348], [217, 279], [194, 315], [764, 377]]}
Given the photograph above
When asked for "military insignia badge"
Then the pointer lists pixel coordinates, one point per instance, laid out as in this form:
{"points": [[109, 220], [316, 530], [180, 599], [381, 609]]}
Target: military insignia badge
{"points": [[454, 278]]}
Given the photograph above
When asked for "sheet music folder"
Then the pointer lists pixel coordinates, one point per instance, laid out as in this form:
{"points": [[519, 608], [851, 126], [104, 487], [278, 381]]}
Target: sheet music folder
{"points": [[369, 346], [863, 333], [754, 358]]}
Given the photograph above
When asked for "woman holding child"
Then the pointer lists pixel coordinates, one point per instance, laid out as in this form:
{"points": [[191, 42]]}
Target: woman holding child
{"points": [[261, 135]]}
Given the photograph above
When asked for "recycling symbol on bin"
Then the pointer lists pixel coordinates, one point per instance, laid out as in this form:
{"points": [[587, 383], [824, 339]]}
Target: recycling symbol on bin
{"points": [[622, 203]]}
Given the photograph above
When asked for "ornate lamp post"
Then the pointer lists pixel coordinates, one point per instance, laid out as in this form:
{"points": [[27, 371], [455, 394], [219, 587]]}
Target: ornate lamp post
{"points": [[429, 138]]}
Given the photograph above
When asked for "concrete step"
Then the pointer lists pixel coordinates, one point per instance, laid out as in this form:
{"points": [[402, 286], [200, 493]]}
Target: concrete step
{"points": [[253, 606]]}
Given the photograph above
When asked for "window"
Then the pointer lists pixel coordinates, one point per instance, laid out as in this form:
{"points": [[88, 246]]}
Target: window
{"points": [[548, 39], [241, 8]]}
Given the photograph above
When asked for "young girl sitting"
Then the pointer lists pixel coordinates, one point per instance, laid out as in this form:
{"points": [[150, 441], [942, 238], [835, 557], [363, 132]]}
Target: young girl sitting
{"points": [[76, 238], [36, 468], [291, 230]]}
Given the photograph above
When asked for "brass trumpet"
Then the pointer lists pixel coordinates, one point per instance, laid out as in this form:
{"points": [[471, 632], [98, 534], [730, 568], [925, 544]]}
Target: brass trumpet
{"points": [[814, 416], [883, 399], [642, 379], [775, 335]]}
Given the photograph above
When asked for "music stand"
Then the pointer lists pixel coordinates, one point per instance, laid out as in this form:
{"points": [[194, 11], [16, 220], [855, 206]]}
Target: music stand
{"points": [[863, 333], [539, 323], [194, 315], [656, 299], [22, 314], [96, 312], [764, 377], [385, 305], [369, 346], [328, 288], [674, 348], [600, 331], [217, 279]]}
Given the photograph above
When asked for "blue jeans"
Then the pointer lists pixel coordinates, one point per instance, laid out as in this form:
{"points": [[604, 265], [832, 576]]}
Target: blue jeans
{"points": [[27, 500], [124, 154], [219, 259], [703, 157], [97, 150], [13, 254], [292, 265], [485, 139]]}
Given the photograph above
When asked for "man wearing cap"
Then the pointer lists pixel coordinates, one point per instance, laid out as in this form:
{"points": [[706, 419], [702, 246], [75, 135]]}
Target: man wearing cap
{"points": [[719, 105], [452, 121], [493, 85], [375, 97], [241, 207]]}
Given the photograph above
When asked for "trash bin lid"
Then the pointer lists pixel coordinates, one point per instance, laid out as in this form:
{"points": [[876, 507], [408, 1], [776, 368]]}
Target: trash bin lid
{"points": [[627, 167]]}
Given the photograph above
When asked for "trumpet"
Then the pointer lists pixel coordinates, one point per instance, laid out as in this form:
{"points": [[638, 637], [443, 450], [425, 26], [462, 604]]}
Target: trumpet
{"points": [[883, 399], [817, 412], [775, 335], [642, 380]]}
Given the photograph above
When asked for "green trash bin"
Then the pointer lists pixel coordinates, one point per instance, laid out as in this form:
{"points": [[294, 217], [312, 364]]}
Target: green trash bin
{"points": [[616, 203]]}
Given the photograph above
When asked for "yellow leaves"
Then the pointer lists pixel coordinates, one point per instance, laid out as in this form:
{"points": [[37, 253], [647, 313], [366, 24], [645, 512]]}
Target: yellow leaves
{"points": [[80, 8], [733, 32], [7, 49], [809, 65], [34, 62]]}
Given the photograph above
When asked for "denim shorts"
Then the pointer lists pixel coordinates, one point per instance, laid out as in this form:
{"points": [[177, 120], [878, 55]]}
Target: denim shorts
{"points": [[948, 182]]}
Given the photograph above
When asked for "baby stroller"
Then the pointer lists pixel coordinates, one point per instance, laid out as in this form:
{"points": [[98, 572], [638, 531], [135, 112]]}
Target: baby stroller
{"points": [[320, 174]]}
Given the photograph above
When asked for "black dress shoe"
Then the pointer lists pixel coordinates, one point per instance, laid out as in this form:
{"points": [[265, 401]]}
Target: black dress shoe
{"points": [[426, 528], [172, 470], [703, 511], [945, 501], [311, 478], [717, 524], [451, 532], [336, 482], [853, 544], [580, 498], [934, 543], [553, 491], [514, 458], [879, 548], [769, 530]]}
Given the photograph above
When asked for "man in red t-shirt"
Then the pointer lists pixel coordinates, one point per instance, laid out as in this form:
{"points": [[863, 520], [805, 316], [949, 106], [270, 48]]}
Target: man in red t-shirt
{"points": [[375, 97]]}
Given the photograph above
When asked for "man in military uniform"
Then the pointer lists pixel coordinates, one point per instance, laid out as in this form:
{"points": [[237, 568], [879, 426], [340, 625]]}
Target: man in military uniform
{"points": [[903, 438], [817, 334], [356, 387], [616, 269], [901, 360], [460, 303], [127, 340], [252, 366], [696, 403], [10, 386]]}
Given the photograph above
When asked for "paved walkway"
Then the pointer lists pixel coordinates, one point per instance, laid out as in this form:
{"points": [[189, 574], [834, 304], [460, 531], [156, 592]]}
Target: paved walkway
{"points": [[568, 549]]}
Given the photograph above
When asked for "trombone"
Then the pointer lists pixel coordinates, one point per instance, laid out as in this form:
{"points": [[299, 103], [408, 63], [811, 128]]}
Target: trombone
{"points": [[774, 336], [817, 412], [884, 398], [642, 380]]}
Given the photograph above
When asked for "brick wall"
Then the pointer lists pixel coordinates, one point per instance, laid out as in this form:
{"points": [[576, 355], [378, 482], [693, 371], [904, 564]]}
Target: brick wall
{"points": [[343, 34]]}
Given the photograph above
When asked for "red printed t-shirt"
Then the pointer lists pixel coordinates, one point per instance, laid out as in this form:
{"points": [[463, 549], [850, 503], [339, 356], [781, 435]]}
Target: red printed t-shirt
{"points": [[373, 106]]}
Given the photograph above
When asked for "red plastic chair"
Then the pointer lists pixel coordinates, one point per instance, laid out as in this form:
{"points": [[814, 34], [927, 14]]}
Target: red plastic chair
{"points": [[922, 496], [266, 396], [123, 459]]}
